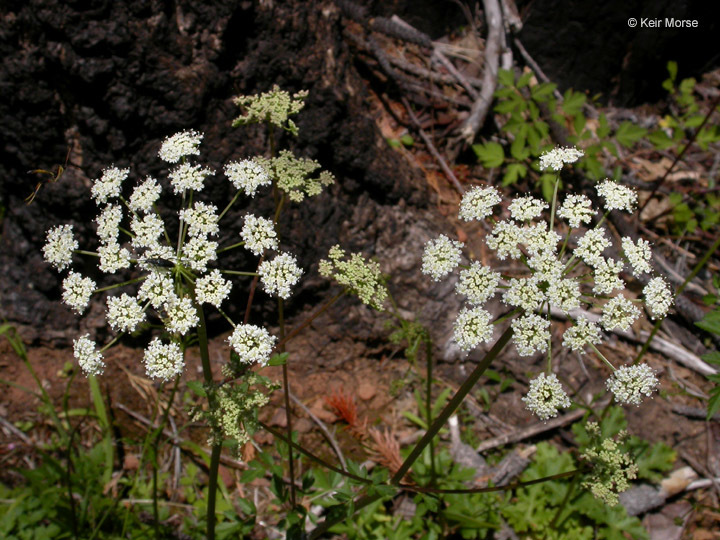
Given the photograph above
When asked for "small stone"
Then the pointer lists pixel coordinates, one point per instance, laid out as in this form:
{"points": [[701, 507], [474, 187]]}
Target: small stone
{"points": [[131, 462], [366, 391]]}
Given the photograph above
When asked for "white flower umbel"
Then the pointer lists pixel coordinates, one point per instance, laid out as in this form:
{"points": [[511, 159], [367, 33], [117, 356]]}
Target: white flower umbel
{"points": [[163, 361], [109, 184], [617, 196], [472, 326], [145, 195], [582, 333], [546, 266], [546, 396], [247, 175], [607, 276], [180, 145], [441, 256], [564, 294], [108, 223], [477, 283], [181, 315], [87, 355], [212, 289], [147, 230], [537, 238], [279, 275], [77, 291], [124, 313], [158, 289], [619, 312], [524, 293], [658, 297], [187, 176], [258, 234], [630, 383], [638, 255], [576, 209], [60, 245], [198, 252], [202, 219], [554, 159], [504, 239], [591, 246], [113, 258], [526, 208], [531, 334], [252, 344], [478, 202]]}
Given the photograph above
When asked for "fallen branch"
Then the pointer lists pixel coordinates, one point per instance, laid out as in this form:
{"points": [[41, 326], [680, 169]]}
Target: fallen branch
{"points": [[480, 108], [432, 149], [531, 431], [693, 412], [323, 428], [658, 344]]}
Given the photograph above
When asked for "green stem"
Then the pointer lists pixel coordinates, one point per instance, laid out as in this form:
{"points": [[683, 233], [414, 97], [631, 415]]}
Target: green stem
{"points": [[452, 405], [238, 273], [116, 285], [288, 412], [217, 445], [428, 403], [563, 505], [554, 203], [228, 248], [229, 205]]}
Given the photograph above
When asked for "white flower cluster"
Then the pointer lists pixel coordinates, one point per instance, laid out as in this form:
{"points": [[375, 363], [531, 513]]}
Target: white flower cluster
{"points": [[177, 278], [557, 157], [279, 275], [566, 271]]}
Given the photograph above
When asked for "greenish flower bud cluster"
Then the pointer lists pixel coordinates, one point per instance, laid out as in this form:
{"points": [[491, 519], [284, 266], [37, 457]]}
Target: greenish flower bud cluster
{"points": [[233, 414], [612, 469], [274, 107], [360, 276], [294, 175]]}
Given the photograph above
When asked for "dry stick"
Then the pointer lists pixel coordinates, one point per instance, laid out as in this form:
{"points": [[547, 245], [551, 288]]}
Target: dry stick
{"points": [[323, 428], [531, 431], [490, 72], [660, 182], [668, 348], [693, 412], [534, 66], [432, 149]]}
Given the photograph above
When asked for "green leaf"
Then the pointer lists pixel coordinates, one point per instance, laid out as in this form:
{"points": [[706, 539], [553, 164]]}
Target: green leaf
{"points": [[713, 402], [278, 359], [672, 68], [506, 77], [518, 148], [660, 139], [542, 92], [628, 134], [393, 143], [573, 102], [603, 129], [710, 322], [579, 125], [197, 388], [407, 140], [490, 154], [513, 172], [712, 357], [524, 80]]}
